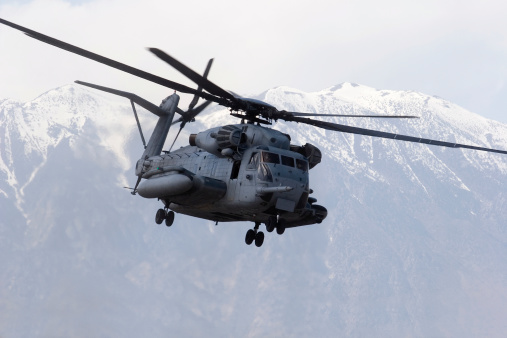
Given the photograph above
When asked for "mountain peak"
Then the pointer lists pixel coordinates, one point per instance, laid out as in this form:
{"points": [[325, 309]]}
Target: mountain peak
{"points": [[414, 243]]}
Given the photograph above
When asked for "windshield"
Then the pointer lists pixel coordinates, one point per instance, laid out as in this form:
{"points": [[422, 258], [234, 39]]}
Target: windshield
{"points": [[254, 160], [301, 164], [270, 157], [288, 161], [263, 173]]}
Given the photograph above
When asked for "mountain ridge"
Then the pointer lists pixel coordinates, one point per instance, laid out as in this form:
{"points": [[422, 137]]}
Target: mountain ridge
{"points": [[414, 244]]}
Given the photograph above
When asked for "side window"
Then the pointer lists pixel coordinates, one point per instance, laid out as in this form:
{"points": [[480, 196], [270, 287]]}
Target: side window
{"points": [[270, 157], [303, 165], [288, 161], [252, 163], [264, 174], [235, 170]]}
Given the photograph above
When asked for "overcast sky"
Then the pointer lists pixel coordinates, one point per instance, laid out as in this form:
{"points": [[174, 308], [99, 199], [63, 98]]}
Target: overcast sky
{"points": [[453, 49]]}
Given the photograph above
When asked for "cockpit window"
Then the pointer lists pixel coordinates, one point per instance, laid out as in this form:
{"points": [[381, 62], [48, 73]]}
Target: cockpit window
{"points": [[264, 174], [301, 164], [254, 160], [288, 161], [270, 157]]}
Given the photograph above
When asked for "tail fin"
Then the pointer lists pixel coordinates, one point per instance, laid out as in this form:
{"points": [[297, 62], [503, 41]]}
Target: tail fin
{"points": [[161, 130], [165, 113]]}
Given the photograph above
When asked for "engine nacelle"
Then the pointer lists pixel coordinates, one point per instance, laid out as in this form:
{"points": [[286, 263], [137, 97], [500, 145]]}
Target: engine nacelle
{"points": [[238, 137], [216, 140], [311, 152]]}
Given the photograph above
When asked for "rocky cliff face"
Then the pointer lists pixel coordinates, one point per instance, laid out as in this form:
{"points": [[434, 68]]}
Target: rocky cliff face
{"points": [[414, 243]]}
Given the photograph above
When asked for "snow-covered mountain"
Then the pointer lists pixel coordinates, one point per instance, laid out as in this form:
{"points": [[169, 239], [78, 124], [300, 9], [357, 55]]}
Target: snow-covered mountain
{"points": [[415, 243]]}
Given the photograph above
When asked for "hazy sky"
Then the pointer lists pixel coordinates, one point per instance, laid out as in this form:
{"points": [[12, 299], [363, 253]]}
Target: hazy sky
{"points": [[453, 49]]}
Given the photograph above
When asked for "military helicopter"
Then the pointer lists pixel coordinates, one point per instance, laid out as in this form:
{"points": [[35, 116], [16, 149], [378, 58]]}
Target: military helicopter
{"points": [[241, 172]]}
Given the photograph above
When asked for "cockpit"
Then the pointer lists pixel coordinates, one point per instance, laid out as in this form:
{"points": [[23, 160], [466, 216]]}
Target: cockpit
{"points": [[261, 161], [269, 157]]}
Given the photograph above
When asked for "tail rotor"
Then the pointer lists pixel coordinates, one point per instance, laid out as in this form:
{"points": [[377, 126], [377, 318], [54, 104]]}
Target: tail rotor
{"points": [[191, 113]]}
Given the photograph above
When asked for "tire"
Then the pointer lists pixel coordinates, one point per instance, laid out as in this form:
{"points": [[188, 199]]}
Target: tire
{"points": [[160, 216], [250, 236], [320, 213], [280, 228], [169, 218], [271, 224], [259, 239]]}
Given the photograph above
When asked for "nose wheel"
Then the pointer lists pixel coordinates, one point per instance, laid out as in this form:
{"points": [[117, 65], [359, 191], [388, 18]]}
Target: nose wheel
{"points": [[280, 227], [271, 223], [254, 235], [162, 215]]}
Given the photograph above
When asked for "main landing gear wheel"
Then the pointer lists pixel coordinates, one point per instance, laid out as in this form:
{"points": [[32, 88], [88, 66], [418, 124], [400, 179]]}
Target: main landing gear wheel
{"points": [[259, 239], [250, 236], [254, 235], [169, 218], [160, 216], [280, 227], [271, 224]]}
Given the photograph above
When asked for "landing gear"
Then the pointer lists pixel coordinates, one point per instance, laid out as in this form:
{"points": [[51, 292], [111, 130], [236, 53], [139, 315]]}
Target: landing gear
{"points": [[250, 236], [274, 222], [169, 218], [271, 224], [254, 234], [162, 215], [259, 239], [280, 227]]}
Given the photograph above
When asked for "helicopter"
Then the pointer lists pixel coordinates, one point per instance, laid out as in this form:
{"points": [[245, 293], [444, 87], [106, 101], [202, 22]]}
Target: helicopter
{"points": [[233, 173]]}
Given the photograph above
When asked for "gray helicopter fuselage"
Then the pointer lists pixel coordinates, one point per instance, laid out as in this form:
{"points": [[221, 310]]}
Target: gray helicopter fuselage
{"points": [[233, 173]]}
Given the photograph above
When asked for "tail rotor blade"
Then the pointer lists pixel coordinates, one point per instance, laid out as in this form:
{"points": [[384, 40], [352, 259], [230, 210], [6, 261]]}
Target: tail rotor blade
{"points": [[180, 119], [194, 112], [188, 117], [178, 134]]}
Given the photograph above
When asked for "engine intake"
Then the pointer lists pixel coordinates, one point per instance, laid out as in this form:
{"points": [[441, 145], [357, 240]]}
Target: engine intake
{"points": [[228, 137], [311, 152]]}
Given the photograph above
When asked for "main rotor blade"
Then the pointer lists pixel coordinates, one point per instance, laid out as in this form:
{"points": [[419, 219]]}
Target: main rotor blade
{"points": [[103, 60], [235, 95], [192, 75], [342, 115], [139, 100], [381, 134], [199, 88]]}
